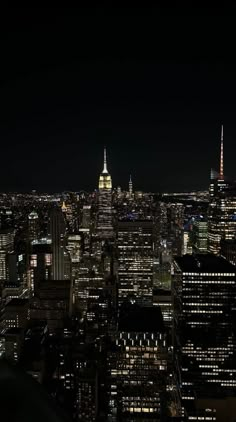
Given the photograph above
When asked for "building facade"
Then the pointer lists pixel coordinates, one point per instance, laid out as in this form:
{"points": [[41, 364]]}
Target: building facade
{"points": [[57, 232], [135, 261], [137, 366], [104, 219], [204, 297], [222, 208]]}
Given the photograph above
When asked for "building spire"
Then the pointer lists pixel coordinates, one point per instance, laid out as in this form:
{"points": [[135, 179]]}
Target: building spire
{"points": [[105, 161], [130, 185], [222, 154]]}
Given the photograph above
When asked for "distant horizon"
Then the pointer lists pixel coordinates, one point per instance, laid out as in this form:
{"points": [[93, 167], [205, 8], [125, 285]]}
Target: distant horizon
{"points": [[41, 192]]}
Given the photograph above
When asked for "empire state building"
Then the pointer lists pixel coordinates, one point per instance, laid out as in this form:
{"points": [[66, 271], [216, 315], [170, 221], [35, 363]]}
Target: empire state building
{"points": [[104, 222]]}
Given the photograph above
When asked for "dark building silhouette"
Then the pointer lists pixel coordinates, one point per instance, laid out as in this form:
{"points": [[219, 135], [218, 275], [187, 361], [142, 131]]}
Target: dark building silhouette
{"points": [[228, 250], [52, 303]]}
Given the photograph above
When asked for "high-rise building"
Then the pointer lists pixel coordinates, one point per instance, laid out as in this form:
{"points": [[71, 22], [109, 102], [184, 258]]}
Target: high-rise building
{"points": [[228, 250], [70, 214], [86, 218], [52, 303], [222, 208], [137, 366], [170, 222], [33, 226], [57, 232], [17, 269], [6, 247], [187, 247], [40, 263], [135, 261], [199, 236], [87, 280], [74, 247], [104, 223], [204, 297], [74, 254], [85, 229]]}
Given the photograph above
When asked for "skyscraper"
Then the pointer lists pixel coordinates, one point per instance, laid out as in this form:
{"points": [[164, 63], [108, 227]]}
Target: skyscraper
{"points": [[33, 225], [199, 236], [137, 366], [57, 232], [204, 295], [135, 261], [104, 222], [40, 263], [222, 208], [6, 246]]}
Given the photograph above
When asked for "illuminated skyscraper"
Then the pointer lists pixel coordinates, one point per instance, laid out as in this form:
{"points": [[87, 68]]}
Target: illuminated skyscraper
{"points": [[57, 232], [33, 226], [222, 208], [104, 223], [199, 236], [204, 294], [40, 263], [6, 247], [135, 261], [137, 366], [86, 218]]}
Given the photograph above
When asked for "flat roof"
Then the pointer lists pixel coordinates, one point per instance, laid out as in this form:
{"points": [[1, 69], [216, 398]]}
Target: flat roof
{"points": [[204, 263], [141, 319], [17, 302]]}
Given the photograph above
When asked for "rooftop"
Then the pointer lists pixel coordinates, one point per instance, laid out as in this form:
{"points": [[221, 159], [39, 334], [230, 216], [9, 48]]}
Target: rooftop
{"points": [[17, 302], [204, 263], [141, 319], [161, 292]]}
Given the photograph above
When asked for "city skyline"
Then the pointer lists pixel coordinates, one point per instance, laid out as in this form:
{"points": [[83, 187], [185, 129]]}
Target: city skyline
{"points": [[118, 214], [125, 186]]}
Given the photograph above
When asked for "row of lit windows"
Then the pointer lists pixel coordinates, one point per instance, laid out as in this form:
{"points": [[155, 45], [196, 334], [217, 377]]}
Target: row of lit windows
{"points": [[212, 274], [140, 409], [202, 304], [202, 418], [193, 311], [197, 282]]}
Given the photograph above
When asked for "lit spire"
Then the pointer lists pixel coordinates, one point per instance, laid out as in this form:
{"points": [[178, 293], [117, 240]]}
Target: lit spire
{"points": [[130, 186], [222, 155], [63, 207], [105, 162]]}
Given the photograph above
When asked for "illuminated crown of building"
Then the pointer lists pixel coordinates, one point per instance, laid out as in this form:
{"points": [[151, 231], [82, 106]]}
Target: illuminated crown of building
{"points": [[64, 207], [105, 178]]}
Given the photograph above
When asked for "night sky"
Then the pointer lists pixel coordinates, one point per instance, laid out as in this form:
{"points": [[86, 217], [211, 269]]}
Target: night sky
{"points": [[152, 85]]}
